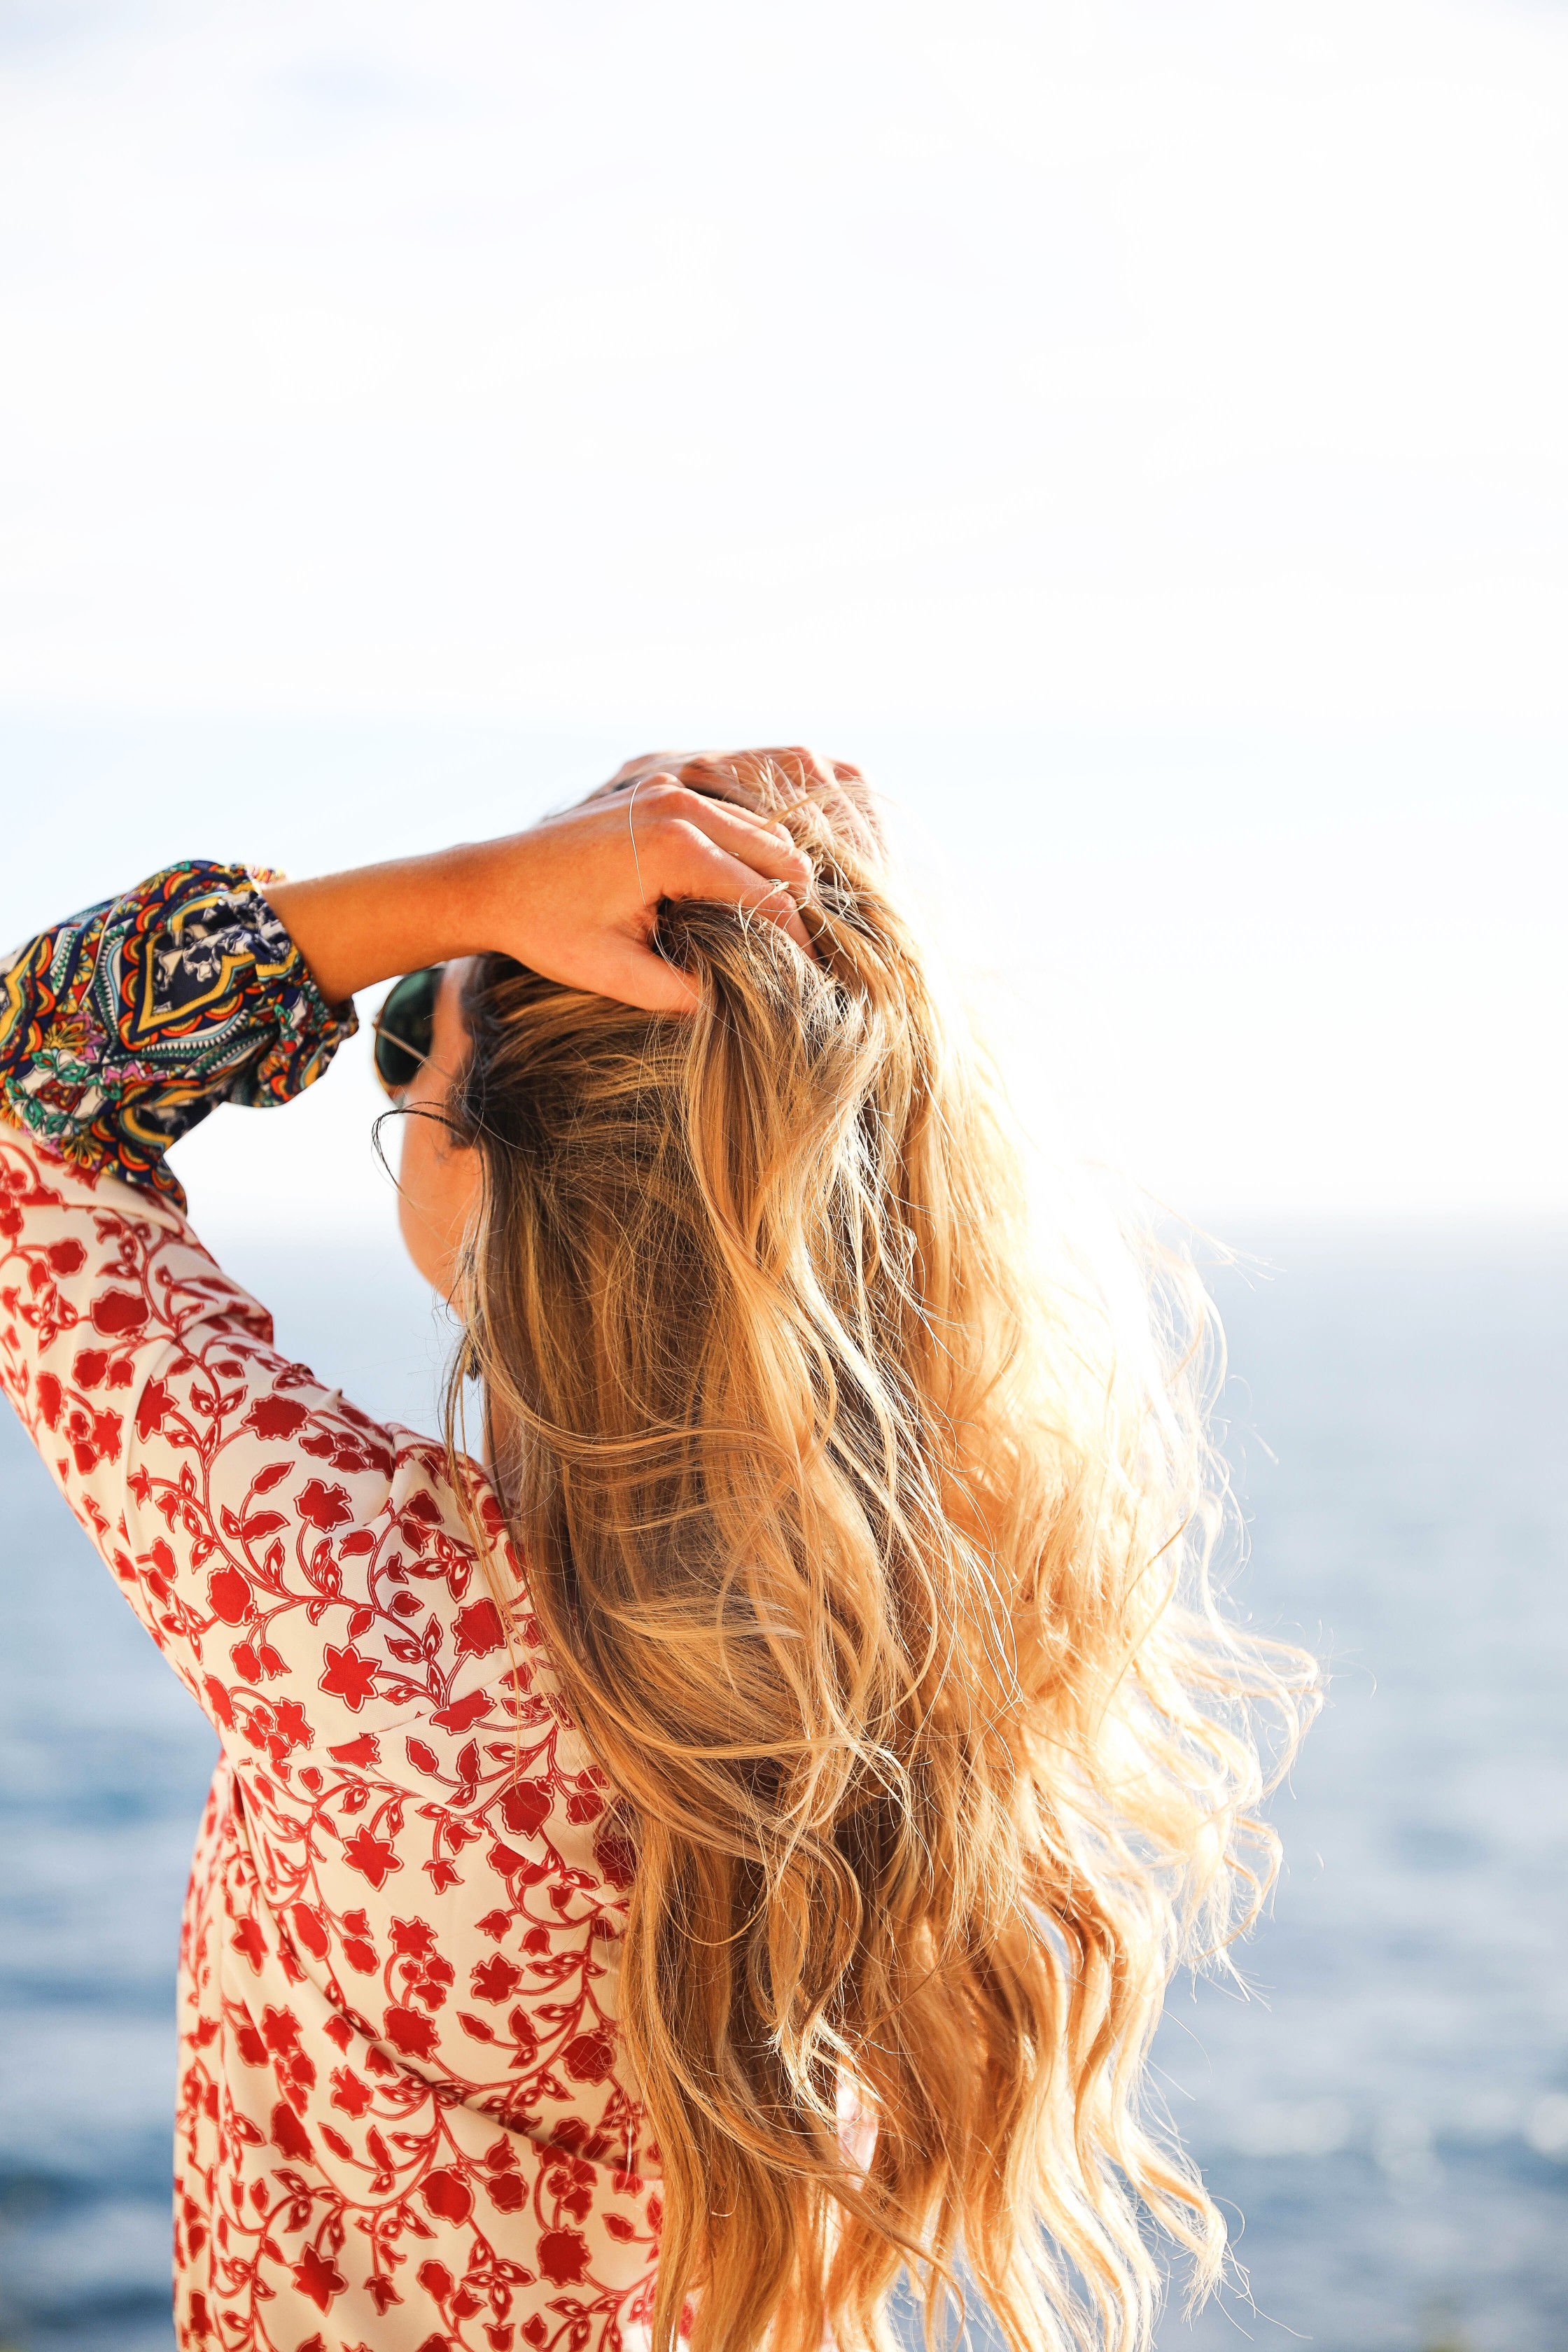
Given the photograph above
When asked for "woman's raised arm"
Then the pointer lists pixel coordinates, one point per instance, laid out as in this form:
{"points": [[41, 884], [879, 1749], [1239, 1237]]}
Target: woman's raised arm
{"points": [[573, 897]]}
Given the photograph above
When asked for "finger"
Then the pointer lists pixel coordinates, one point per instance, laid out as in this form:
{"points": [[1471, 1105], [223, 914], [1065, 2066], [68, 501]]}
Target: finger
{"points": [[732, 776], [779, 909], [769, 782], [799, 760], [645, 784], [717, 779], [795, 766], [767, 847], [691, 865], [749, 873], [635, 974], [658, 802]]}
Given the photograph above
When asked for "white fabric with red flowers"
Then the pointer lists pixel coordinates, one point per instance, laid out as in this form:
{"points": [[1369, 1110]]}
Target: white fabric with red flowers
{"points": [[404, 2122]]}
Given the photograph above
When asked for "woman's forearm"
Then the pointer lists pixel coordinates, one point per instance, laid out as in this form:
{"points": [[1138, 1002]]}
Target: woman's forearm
{"points": [[374, 921]]}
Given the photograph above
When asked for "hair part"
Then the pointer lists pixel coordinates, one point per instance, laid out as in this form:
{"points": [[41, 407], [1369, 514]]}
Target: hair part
{"points": [[872, 1551]]}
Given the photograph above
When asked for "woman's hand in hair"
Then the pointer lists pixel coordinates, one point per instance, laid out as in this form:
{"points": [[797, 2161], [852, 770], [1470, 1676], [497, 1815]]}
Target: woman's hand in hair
{"points": [[575, 898], [596, 874]]}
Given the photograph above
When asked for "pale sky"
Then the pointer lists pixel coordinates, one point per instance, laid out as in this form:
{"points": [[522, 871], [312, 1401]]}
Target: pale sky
{"points": [[1135, 426]]}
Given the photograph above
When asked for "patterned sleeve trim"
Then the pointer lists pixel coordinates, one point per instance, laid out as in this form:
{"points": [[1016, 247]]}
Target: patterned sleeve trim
{"points": [[122, 1026]]}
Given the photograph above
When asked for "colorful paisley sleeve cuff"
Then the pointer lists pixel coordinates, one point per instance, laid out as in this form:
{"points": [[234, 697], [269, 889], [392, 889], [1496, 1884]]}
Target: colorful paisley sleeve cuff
{"points": [[122, 1026]]}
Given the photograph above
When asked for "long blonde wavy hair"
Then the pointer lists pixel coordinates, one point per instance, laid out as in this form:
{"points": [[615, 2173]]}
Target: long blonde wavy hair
{"points": [[871, 1544]]}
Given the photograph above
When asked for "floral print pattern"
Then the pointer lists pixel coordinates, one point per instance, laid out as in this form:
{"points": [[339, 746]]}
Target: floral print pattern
{"points": [[404, 2119]]}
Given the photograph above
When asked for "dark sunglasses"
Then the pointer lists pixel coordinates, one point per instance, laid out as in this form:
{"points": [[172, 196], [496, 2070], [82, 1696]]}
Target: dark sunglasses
{"points": [[404, 1026]]}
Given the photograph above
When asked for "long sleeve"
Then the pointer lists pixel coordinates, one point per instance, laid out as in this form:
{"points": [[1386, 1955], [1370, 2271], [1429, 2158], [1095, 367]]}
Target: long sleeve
{"points": [[251, 1515], [125, 1025]]}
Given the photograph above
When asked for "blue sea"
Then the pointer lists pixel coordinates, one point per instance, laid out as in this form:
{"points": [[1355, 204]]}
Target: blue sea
{"points": [[1384, 2115]]}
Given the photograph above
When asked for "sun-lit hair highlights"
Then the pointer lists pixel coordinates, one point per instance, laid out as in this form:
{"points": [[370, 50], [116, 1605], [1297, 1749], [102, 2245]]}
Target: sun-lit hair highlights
{"points": [[871, 1544]]}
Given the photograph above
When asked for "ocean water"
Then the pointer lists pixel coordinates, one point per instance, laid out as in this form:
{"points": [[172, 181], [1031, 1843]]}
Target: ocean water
{"points": [[1385, 2116]]}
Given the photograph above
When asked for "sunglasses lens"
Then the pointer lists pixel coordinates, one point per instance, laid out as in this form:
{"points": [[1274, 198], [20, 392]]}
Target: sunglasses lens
{"points": [[403, 1029]]}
